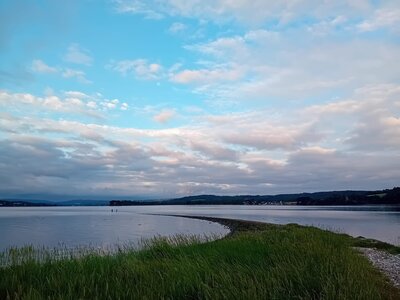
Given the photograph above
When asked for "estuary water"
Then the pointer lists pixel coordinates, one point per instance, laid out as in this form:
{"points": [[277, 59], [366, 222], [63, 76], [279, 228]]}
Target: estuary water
{"points": [[381, 222], [101, 227], [98, 227]]}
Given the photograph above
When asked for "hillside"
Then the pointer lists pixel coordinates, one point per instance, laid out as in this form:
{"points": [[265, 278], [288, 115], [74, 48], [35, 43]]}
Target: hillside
{"points": [[388, 196]]}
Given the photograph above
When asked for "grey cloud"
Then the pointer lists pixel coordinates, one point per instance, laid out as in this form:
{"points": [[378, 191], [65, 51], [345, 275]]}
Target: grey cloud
{"points": [[37, 165], [376, 133], [215, 151], [226, 154]]}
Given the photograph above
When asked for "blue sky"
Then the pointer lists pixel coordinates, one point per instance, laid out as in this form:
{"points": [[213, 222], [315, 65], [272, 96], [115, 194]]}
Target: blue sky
{"points": [[169, 98]]}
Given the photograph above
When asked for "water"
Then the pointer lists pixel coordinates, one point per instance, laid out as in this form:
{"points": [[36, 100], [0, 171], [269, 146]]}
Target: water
{"points": [[92, 226], [98, 226], [381, 222]]}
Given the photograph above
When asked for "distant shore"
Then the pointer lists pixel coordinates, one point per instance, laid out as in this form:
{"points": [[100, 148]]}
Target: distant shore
{"points": [[348, 197]]}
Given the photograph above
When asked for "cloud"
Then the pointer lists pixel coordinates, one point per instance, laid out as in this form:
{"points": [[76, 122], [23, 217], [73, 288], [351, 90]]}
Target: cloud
{"points": [[259, 151], [212, 75], [76, 94], [140, 68], [263, 67], [124, 106], [49, 103], [78, 74], [137, 7], [164, 116], [177, 28], [77, 55], [245, 11], [327, 27], [382, 18], [367, 122], [110, 104], [288, 96], [38, 66], [72, 102]]}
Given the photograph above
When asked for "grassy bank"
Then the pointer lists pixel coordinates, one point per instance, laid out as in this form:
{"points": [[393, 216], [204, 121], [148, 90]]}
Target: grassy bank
{"points": [[257, 261]]}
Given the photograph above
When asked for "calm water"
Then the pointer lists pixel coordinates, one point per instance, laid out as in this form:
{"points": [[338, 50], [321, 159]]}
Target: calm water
{"points": [[98, 226], [380, 222], [91, 226]]}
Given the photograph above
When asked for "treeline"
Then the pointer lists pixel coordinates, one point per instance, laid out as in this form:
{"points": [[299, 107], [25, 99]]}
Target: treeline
{"points": [[199, 199], [19, 203], [391, 196], [359, 198]]}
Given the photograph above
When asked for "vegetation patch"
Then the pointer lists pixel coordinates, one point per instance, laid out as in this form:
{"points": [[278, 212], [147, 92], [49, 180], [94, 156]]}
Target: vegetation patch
{"points": [[256, 261]]}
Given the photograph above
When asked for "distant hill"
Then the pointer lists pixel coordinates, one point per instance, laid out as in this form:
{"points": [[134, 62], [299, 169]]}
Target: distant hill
{"points": [[83, 203], [35, 202], [388, 196], [15, 202], [391, 196]]}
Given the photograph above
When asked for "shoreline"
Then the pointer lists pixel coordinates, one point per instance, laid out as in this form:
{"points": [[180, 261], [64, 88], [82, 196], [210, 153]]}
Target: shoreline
{"points": [[255, 260], [234, 225], [377, 252], [241, 225]]}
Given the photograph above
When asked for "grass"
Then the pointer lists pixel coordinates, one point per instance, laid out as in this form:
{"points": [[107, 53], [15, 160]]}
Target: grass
{"points": [[257, 261], [371, 243]]}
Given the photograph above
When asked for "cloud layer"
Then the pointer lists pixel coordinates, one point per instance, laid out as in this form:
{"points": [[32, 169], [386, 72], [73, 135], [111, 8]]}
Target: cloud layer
{"points": [[238, 153], [170, 98]]}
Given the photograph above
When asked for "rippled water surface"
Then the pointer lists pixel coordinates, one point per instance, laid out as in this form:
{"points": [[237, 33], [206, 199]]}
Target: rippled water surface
{"points": [[99, 226]]}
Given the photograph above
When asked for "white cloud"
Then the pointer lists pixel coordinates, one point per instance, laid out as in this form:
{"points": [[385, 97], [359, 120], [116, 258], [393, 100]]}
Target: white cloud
{"points": [[141, 68], [91, 104], [267, 69], [66, 104], [78, 74], [76, 94], [110, 104], [124, 106], [177, 28], [213, 75], [137, 7], [245, 11], [382, 18], [164, 116], [39, 66], [77, 55], [326, 27], [72, 102]]}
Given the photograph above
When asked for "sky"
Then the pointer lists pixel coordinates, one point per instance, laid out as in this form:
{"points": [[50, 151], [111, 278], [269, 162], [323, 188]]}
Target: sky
{"points": [[168, 98]]}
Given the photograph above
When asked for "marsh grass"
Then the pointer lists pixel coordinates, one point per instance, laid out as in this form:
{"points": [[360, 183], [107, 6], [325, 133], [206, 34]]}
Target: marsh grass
{"points": [[256, 262], [14, 256]]}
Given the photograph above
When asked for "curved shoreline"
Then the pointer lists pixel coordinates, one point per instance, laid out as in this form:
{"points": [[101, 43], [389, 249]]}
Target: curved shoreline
{"points": [[375, 251], [234, 225], [266, 259]]}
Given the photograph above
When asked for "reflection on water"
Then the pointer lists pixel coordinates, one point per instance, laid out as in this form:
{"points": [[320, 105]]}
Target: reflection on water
{"points": [[94, 226], [98, 226]]}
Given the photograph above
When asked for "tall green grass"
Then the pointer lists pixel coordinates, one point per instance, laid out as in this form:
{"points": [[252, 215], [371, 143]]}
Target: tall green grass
{"points": [[266, 262]]}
